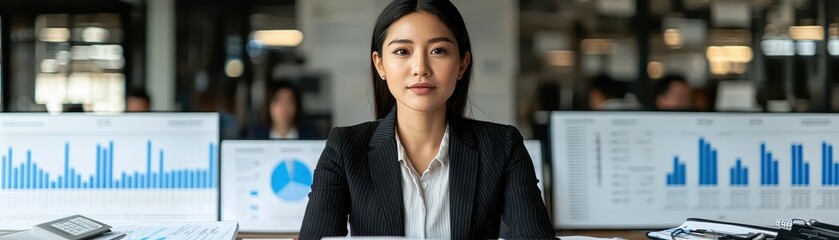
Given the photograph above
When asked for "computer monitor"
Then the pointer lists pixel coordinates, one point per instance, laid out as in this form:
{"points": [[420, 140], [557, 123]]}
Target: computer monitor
{"points": [[534, 148], [265, 183], [117, 169], [655, 169]]}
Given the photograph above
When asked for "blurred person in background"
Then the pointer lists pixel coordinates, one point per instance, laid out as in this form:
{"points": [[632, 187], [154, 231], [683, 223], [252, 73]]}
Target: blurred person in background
{"points": [[137, 100], [606, 93], [673, 93], [283, 118]]}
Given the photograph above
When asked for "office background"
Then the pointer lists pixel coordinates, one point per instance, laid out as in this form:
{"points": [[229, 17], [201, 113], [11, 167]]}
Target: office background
{"points": [[531, 57]]}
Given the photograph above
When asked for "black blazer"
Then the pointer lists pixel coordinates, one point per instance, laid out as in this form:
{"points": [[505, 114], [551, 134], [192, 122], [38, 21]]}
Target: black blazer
{"points": [[491, 178]]}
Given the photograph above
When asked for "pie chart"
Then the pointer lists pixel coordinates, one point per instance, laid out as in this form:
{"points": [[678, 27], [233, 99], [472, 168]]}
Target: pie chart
{"points": [[291, 180]]}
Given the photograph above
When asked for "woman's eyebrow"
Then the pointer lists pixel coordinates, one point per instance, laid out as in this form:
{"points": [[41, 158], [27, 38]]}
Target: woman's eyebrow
{"points": [[406, 41], [433, 40], [440, 39]]}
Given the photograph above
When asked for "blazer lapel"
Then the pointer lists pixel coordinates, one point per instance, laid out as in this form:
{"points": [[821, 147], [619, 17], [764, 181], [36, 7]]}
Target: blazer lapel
{"points": [[465, 161], [387, 177]]}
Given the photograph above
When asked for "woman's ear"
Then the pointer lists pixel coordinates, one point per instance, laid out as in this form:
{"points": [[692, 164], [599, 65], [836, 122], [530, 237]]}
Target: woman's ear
{"points": [[377, 61], [464, 62]]}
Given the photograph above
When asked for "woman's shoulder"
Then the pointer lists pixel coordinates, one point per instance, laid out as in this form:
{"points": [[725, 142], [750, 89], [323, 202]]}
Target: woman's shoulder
{"points": [[494, 140], [358, 134], [364, 128], [488, 135], [487, 128]]}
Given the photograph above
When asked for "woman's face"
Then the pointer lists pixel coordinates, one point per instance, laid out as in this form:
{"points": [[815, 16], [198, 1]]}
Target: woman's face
{"points": [[420, 62], [283, 107]]}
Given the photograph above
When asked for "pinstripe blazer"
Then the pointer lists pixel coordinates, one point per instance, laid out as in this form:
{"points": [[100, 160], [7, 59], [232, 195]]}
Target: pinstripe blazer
{"points": [[491, 178]]}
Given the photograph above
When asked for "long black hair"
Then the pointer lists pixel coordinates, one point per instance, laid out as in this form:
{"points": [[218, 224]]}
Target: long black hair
{"points": [[450, 16]]}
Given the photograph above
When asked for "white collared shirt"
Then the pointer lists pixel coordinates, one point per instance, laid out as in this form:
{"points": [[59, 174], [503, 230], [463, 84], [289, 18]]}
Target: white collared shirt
{"points": [[293, 134], [426, 196]]}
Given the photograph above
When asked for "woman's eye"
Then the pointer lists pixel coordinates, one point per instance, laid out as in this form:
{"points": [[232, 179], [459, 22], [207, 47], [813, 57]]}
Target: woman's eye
{"points": [[401, 52], [439, 51]]}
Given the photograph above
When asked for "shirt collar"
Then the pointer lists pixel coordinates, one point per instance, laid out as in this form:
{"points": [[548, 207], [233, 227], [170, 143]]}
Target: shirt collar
{"points": [[442, 153], [293, 134]]}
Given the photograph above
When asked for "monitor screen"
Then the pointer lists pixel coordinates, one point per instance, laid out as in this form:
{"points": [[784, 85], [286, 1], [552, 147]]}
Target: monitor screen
{"points": [[117, 169], [265, 183], [654, 169]]}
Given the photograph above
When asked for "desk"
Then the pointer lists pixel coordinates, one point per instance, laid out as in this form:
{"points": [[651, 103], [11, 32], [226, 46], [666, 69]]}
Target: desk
{"points": [[627, 234]]}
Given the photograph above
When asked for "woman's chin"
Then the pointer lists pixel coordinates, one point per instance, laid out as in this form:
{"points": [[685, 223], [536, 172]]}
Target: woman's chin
{"points": [[424, 107]]}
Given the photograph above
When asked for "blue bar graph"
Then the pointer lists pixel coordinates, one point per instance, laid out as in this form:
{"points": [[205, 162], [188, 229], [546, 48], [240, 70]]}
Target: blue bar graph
{"points": [[830, 169], [5, 175], [29, 175], [677, 177], [768, 167], [739, 174], [800, 168], [707, 164]]}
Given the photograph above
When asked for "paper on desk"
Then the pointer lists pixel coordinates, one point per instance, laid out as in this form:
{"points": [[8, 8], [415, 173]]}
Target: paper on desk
{"points": [[174, 231], [692, 225], [724, 228], [586, 238], [667, 234]]}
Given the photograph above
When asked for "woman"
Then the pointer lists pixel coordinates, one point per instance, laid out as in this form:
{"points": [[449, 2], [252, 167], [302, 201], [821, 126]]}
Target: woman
{"points": [[284, 116], [423, 170]]}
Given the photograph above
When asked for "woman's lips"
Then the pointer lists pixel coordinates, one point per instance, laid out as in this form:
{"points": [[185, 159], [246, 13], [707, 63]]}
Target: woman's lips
{"points": [[421, 88]]}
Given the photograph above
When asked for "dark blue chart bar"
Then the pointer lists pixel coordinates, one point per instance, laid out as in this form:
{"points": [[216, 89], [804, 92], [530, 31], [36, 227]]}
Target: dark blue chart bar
{"points": [[800, 168], [830, 169], [739, 174], [768, 167], [707, 164], [677, 177], [28, 175]]}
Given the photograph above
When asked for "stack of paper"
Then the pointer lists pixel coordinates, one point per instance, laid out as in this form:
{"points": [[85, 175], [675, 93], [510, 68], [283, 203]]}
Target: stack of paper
{"points": [[158, 231], [174, 231], [689, 229]]}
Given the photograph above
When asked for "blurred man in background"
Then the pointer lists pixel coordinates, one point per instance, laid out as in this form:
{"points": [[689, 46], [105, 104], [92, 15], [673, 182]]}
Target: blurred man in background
{"points": [[137, 100], [606, 93], [673, 93]]}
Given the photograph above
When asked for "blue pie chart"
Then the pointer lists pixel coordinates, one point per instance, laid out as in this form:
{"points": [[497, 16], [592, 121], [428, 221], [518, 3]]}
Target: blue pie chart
{"points": [[291, 180]]}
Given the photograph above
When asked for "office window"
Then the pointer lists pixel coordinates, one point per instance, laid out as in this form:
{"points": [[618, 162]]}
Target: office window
{"points": [[79, 60]]}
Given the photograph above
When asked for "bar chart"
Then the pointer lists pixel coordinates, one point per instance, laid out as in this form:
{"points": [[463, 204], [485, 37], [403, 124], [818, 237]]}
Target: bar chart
{"points": [[678, 176], [739, 174], [29, 176], [768, 167], [707, 164], [830, 169], [800, 167], [610, 168], [115, 168]]}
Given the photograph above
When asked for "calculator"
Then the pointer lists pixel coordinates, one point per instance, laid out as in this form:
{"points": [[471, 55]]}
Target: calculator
{"points": [[76, 227]]}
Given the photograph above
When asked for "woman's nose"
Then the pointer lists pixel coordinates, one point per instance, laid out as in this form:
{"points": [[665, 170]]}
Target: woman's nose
{"points": [[420, 66]]}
